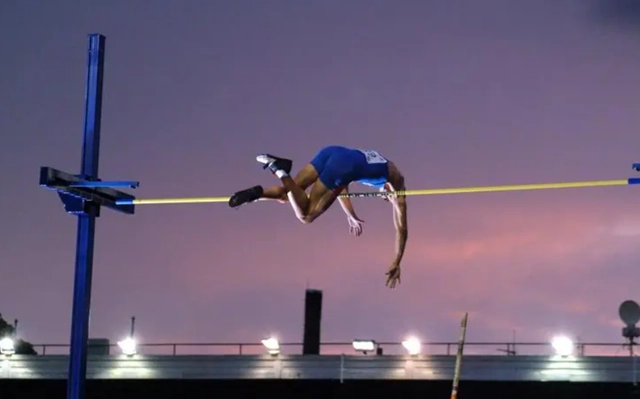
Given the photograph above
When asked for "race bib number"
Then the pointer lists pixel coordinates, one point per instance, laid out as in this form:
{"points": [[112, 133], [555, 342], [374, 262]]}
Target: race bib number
{"points": [[373, 156]]}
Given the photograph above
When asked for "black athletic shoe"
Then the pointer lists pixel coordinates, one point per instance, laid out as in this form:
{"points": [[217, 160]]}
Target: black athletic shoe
{"points": [[275, 163], [242, 197]]}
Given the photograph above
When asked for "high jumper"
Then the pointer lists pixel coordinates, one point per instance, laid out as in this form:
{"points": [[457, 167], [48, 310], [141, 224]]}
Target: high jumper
{"points": [[329, 175]]}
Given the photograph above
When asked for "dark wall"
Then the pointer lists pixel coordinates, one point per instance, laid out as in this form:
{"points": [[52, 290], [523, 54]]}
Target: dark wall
{"points": [[252, 389]]}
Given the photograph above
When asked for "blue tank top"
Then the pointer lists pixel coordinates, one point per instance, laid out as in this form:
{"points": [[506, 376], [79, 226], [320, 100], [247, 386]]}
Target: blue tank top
{"points": [[338, 165], [372, 170]]}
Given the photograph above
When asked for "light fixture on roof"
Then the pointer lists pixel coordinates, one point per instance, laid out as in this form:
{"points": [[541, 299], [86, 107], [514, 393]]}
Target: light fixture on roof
{"points": [[272, 345], [7, 347], [412, 345]]}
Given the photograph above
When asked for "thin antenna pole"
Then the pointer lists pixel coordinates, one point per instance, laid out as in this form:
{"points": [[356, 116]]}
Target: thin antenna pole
{"points": [[456, 375], [133, 325], [634, 377]]}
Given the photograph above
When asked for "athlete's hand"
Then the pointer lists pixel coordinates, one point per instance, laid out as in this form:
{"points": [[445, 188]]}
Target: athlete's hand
{"points": [[355, 226], [393, 275]]}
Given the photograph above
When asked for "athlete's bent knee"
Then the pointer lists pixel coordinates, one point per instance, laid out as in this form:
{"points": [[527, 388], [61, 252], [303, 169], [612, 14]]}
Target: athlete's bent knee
{"points": [[309, 218]]}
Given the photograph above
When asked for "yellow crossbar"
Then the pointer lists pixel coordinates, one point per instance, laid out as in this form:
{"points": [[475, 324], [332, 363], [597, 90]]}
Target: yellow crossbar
{"points": [[429, 191]]}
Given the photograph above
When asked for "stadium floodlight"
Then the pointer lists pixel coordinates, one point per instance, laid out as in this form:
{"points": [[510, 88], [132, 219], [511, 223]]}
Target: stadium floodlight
{"points": [[7, 346], [412, 345], [364, 345], [272, 345], [562, 345], [128, 346], [629, 312]]}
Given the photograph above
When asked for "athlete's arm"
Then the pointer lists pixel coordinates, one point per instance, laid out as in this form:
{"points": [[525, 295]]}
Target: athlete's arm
{"points": [[346, 205], [400, 223]]}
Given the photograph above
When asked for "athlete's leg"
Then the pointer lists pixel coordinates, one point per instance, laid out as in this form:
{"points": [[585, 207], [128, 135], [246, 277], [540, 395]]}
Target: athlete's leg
{"points": [[320, 199], [297, 196], [309, 208], [304, 179], [306, 208]]}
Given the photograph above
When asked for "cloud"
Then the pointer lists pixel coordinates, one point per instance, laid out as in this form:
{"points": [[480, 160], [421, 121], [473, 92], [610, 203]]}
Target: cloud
{"points": [[616, 13], [536, 268], [530, 269]]}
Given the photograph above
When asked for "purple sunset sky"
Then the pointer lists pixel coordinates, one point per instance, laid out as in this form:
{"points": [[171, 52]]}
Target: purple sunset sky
{"points": [[457, 93]]}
